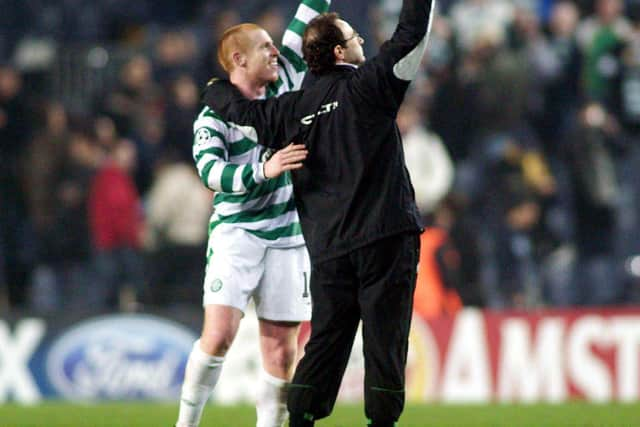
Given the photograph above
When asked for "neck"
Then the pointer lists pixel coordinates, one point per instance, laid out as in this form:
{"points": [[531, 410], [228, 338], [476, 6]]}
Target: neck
{"points": [[250, 89]]}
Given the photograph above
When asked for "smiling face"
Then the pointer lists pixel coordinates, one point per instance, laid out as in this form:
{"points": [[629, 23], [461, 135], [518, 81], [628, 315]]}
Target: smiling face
{"points": [[261, 58], [247, 53], [351, 52]]}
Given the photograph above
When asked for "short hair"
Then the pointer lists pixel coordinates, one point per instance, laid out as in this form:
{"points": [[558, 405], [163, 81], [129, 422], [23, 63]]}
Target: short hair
{"points": [[320, 37], [234, 39]]}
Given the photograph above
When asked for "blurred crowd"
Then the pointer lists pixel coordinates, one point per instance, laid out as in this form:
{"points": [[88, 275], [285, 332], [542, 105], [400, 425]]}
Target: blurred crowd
{"points": [[522, 137]]}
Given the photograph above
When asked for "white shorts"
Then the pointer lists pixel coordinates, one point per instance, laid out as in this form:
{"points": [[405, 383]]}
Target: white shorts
{"points": [[240, 267]]}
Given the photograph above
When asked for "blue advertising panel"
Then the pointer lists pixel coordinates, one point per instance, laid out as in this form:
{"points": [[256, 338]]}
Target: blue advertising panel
{"points": [[112, 357]]}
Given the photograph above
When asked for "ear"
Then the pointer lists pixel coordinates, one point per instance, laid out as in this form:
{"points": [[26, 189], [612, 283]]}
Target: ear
{"points": [[338, 52], [239, 59]]}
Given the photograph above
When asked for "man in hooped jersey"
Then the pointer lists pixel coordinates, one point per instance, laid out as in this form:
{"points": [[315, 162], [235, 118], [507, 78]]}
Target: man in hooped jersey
{"points": [[356, 204], [256, 249]]}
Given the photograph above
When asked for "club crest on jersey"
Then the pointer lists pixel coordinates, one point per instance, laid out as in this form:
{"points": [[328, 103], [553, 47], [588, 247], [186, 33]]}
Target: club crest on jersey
{"points": [[216, 285], [203, 136], [267, 154]]}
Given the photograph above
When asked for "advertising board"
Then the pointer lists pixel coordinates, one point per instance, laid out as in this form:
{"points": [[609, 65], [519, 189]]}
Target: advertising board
{"points": [[477, 356]]}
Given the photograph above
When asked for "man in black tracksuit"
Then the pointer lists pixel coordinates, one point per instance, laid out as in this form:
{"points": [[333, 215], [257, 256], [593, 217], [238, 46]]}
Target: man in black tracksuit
{"points": [[355, 202]]}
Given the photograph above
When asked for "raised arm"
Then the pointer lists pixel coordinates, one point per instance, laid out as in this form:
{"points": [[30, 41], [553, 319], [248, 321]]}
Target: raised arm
{"points": [[292, 66], [383, 80]]}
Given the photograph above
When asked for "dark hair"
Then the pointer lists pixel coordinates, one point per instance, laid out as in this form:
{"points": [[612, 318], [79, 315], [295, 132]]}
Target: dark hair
{"points": [[320, 37]]}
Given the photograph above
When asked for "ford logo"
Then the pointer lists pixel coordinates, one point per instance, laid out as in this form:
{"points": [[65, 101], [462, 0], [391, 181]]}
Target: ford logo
{"points": [[120, 357]]}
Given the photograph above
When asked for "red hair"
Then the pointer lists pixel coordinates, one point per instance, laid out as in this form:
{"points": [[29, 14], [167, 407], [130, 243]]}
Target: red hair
{"points": [[235, 39]]}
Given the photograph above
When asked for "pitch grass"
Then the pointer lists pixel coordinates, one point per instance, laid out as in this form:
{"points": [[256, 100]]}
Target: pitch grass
{"points": [[157, 415]]}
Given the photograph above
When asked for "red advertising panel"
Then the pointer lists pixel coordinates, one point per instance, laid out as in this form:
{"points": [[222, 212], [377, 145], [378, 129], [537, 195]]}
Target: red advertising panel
{"points": [[551, 356]]}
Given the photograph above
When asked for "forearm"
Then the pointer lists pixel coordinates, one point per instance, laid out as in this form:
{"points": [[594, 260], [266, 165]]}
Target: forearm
{"points": [[398, 62], [411, 35], [225, 177], [292, 39], [267, 122]]}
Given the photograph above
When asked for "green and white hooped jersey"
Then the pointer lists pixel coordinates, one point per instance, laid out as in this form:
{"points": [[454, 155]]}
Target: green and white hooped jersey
{"points": [[230, 162]]}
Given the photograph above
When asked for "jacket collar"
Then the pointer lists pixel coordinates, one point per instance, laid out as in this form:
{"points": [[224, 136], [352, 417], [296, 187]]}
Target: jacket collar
{"points": [[345, 67]]}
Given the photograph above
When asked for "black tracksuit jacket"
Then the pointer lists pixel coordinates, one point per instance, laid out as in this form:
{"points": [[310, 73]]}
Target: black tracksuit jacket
{"points": [[354, 188]]}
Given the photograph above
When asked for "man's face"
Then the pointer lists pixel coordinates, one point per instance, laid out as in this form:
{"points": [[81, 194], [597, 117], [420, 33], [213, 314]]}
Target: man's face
{"points": [[262, 58], [353, 53]]}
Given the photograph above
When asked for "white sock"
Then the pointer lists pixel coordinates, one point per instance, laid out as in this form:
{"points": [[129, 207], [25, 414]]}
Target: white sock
{"points": [[271, 401], [200, 377]]}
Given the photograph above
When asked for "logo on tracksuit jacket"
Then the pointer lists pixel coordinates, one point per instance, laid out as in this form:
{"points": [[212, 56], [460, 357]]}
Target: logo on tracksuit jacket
{"points": [[325, 109]]}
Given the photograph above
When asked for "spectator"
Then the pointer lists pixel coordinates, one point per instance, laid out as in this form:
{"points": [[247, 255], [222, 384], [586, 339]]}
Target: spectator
{"points": [[174, 55], [182, 107], [116, 226], [438, 269], [16, 237], [47, 154], [501, 84], [600, 37], [105, 132], [460, 261], [64, 277], [148, 139], [427, 160], [596, 190], [515, 180], [135, 99], [562, 88], [454, 78], [178, 210], [471, 18]]}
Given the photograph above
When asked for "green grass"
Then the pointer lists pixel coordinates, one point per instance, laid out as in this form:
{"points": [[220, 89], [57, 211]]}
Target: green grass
{"points": [[158, 415]]}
